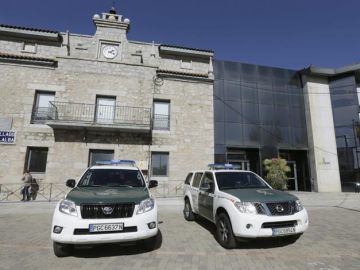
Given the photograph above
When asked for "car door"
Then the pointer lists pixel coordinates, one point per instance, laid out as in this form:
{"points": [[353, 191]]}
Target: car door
{"points": [[206, 196], [194, 190]]}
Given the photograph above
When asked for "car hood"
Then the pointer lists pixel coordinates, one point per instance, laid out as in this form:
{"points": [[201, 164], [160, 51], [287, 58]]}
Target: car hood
{"points": [[107, 195], [260, 195]]}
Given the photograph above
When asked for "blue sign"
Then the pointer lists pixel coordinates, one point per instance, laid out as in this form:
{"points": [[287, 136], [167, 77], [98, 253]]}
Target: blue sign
{"points": [[7, 137]]}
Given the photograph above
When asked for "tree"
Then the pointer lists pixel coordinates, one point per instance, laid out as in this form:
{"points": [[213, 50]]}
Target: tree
{"points": [[276, 169]]}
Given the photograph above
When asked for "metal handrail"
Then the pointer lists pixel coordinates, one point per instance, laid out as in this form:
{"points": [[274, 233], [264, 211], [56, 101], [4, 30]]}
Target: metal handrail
{"points": [[48, 191], [92, 113]]}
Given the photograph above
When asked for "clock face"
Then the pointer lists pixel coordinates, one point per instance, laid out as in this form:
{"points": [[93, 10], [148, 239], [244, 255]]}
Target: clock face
{"points": [[110, 52]]}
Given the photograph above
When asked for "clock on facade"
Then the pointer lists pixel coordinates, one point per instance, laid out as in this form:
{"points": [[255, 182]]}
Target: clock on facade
{"points": [[109, 51]]}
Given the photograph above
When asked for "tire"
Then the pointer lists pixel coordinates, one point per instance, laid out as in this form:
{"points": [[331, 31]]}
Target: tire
{"points": [[150, 244], [224, 232], [188, 213], [62, 250]]}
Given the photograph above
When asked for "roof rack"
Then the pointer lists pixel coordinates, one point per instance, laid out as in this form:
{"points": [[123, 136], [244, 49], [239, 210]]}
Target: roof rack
{"points": [[224, 166], [117, 162]]}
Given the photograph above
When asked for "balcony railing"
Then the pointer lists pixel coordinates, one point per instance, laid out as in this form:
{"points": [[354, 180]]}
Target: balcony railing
{"points": [[72, 115], [161, 122]]}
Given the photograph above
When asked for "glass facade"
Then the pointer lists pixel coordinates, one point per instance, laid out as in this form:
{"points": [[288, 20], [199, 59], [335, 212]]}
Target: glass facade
{"points": [[259, 111], [345, 105]]}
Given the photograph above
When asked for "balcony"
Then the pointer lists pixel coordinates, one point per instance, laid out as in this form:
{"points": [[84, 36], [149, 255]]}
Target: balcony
{"points": [[66, 115]]}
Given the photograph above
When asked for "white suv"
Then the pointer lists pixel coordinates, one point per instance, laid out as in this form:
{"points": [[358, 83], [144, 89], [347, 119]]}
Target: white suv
{"points": [[242, 205], [110, 203]]}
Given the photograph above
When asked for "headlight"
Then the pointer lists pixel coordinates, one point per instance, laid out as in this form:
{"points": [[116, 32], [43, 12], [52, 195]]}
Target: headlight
{"points": [[145, 206], [245, 207], [298, 205], [68, 207]]}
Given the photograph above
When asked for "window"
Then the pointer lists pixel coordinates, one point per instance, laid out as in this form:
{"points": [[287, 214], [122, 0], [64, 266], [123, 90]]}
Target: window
{"points": [[160, 164], [197, 178], [188, 179], [105, 109], [42, 106], [36, 158], [162, 115], [208, 181], [29, 47], [96, 155]]}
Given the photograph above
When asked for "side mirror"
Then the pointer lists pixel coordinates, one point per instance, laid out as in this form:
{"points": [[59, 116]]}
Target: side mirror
{"points": [[70, 183], [208, 187], [153, 183]]}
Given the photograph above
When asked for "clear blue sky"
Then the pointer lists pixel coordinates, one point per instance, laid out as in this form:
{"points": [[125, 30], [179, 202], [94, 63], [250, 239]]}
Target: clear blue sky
{"points": [[283, 33]]}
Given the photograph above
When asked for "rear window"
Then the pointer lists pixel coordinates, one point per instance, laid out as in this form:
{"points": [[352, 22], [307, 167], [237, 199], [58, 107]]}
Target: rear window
{"points": [[188, 178], [112, 178], [197, 178]]}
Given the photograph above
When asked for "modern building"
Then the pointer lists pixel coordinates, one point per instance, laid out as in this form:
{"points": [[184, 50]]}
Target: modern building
{"points": [[68, 100], [309, 117]]}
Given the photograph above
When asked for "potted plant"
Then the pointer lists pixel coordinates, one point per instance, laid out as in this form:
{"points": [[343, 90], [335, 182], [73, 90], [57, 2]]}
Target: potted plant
{"points": [[276, 169]]}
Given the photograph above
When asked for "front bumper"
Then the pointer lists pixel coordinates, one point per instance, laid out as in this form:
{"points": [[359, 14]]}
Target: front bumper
{"points": [[250, 226], [73, 225]]}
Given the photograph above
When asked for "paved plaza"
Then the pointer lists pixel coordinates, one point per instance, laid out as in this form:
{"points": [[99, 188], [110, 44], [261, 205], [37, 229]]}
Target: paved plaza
{"points": [[332, 241]]}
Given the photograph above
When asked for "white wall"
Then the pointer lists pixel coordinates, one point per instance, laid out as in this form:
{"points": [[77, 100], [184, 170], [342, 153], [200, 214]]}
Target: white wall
{"points": [[323, 157]]}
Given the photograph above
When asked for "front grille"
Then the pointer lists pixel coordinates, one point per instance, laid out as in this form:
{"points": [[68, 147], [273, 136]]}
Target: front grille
{"points": [[279, 224], [260, 209], [86, 231], [96, 211], [281, 208]]}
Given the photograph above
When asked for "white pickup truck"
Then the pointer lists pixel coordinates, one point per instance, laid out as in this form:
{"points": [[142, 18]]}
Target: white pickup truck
{"points": [[242, 205]]}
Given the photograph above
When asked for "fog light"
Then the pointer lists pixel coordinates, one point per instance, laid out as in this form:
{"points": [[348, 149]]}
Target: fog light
{"points": [[248, 226], [57, 229], [152, 225]]}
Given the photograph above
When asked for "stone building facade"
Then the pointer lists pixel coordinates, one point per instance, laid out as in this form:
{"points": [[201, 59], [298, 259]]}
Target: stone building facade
{"points": [[72, 99]]}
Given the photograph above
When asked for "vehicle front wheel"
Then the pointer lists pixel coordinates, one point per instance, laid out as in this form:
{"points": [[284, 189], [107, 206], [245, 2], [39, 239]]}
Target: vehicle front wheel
{"points": [[224, 232], [62, 250], [188, 213]]}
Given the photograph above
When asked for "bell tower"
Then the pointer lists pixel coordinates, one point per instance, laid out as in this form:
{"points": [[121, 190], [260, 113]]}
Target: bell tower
{"points": [[111, 25]]}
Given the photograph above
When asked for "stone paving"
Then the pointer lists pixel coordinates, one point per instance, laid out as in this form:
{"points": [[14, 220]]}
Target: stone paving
{"points": [[332, 242]]}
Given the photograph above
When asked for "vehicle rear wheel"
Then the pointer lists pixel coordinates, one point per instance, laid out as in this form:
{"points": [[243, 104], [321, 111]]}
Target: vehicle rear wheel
{"points": [[62, 250], [188, 213], [224, 232]]}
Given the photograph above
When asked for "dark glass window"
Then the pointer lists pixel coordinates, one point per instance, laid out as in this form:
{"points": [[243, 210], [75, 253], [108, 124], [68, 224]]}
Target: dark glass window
{"points": [[208, 181], [96, 155], [197, 178], [112, 178], [160, 164], [188, 178], [36, 159]]}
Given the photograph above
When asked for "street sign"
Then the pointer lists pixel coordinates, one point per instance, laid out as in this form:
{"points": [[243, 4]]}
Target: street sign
{"points": [[7, 137]]}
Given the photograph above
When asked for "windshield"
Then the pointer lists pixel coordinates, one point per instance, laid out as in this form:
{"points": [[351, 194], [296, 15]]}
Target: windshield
{"points": [[239, 180], [112, 178]]}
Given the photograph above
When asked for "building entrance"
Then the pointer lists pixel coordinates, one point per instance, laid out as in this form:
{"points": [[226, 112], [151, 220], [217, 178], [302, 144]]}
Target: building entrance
{"points": [[292, 176]]}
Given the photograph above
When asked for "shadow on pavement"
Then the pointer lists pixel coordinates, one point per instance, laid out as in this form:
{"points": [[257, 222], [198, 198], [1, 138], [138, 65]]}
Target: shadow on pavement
{"points": [[118, 249], [260, 243]]}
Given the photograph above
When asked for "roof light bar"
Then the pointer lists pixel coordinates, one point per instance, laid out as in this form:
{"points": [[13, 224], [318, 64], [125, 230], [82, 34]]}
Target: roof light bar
{"points": [[116, 162], [224, 166]]}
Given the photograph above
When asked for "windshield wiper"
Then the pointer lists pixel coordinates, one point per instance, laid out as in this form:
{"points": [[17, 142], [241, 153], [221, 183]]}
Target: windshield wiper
{"points": [[121, 186], [90, 186]]}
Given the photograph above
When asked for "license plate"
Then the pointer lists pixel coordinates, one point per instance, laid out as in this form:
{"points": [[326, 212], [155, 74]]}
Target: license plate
{"points": [[107, 227], [283, 231]]}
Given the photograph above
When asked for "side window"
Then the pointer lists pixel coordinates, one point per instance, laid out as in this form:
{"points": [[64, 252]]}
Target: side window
{"points": [[188, 179], [208, 183], [197, 178]]}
